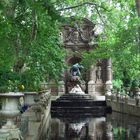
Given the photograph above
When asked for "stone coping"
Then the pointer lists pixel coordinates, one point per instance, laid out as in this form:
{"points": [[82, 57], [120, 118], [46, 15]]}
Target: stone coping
{"points": [[35, 92], [12, 94], [78, 93], [30, 93], [10, 114]]}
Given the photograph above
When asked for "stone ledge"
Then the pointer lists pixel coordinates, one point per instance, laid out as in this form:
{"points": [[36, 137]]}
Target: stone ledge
{"points": [[123, 107]]}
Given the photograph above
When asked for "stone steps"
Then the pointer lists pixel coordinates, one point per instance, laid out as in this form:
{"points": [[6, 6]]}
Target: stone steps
{"points": [[78, 109], [75, 97], [74, 100], [78, 103], [77, 115]]}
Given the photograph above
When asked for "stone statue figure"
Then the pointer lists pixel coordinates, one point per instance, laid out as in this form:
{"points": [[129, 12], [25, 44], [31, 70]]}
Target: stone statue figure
{"points": [[80, 33], [77, 90], [98, 74], [75, 70]]}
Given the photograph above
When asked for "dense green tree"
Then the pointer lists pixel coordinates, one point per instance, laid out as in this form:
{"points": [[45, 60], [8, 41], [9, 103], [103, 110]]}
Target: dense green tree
{"points": [[29, 32], [29, 38], [120, 37]]}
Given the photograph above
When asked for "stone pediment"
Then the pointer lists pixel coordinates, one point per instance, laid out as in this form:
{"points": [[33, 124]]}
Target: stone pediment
{"points": [[80, 33]]}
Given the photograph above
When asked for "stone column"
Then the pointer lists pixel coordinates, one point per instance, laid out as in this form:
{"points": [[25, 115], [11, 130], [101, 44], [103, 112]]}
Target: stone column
{"points": [[91, 83], [92, 129], [138, 134], [91, 88], [109, 75], [109, 133], [61, 88]]}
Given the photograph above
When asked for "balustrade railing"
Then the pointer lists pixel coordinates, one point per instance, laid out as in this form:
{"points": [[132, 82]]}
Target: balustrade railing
{"points": [[124, 103], [124, 98], [23, 126]]}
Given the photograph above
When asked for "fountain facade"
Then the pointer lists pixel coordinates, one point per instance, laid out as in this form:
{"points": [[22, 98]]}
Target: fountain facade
{"points": [[76, 40]]}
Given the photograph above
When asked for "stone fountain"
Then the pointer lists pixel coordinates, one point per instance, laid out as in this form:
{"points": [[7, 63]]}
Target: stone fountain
{"points": [[78, 103], [9, 111], [76, 90]]}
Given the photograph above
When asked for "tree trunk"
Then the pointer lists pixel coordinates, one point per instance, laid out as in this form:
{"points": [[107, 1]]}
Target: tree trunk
{"points": [[138, 11], [138, 7]]}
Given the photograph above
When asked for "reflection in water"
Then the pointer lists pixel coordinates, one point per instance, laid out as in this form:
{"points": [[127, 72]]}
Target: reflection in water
{"points": [[82, 129], [113, 127]]}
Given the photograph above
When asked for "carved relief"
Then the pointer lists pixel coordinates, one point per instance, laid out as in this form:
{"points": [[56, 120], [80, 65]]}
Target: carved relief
{"points": [[79, 33]]}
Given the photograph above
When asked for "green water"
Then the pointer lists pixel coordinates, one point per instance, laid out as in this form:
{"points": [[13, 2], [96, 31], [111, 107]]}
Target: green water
{"points": [[115, 126], [112, 127]]}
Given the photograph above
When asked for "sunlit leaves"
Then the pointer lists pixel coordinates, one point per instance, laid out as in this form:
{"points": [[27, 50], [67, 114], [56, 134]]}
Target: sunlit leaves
{"points": [[43, 53], [32, 35]]}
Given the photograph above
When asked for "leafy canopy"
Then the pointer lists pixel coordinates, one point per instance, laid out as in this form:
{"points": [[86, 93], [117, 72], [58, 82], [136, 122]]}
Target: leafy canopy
{"points": [[29, 35], [119, 38], [29, 40]]}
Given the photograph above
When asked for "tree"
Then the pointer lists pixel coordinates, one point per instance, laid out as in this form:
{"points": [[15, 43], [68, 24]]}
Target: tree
{"points": [[30, 41], [119, 39], [29, 34]]}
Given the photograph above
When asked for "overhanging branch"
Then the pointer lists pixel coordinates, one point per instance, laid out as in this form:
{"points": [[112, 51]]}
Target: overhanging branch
{"points": [[99, 15], [82, 4]]}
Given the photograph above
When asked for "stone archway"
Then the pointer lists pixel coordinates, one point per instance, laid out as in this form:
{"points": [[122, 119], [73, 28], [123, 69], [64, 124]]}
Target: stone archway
{"points": [[77, 39], [71, 60], [74, 59]]}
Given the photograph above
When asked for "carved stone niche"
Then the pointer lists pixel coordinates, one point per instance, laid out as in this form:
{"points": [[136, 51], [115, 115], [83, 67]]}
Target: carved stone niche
{"points": [[81, 33]]}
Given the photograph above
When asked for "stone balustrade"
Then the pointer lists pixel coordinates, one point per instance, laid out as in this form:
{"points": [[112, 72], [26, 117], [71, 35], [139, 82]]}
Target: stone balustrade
{"points": [[38, 116], [124, 104]]}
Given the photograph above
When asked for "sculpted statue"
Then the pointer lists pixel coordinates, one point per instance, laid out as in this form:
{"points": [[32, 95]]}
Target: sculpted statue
{"points": [[76, 79], [77, 90], [79, 33], [98, 73], [75, 70]]}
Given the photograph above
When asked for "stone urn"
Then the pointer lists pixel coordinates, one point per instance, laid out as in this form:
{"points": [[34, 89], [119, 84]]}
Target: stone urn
{"points": [[10, 110], [30, 97]]}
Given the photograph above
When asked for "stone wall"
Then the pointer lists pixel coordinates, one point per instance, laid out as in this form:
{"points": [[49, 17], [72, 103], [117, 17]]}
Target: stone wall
{"points": [[38, 115], [124, 105]]}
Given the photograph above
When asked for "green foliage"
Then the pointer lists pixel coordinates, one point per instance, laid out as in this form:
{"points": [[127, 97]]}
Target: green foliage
{"points": [[31, 80], [9, 80], [122, 47], [119, 133], [120, 40], [117, 84], [29, 34]]}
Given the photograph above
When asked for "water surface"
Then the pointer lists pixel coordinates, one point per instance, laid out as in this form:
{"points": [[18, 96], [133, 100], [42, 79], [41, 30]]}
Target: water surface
{"points": [[112, 127]]}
